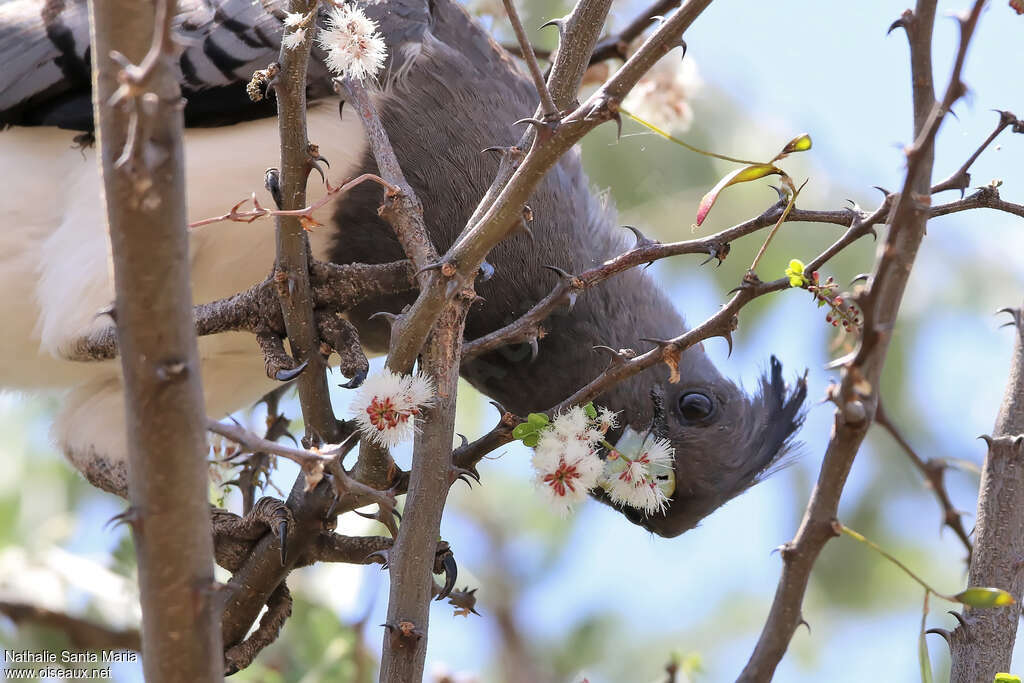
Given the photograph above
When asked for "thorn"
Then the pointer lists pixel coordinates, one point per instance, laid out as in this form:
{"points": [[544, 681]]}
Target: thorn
{"points": [[946, 635], [682, 44], [903, 22], [862, 277], [522, 227], [451, 571], [461, 472], [884, 191], [727, 336], [289, 375], [465, 441], [618, 125], [642, 240], [495, 148], [572, 300], [617, 356], [282, 536], [500, 408], [486, 270], [717, 252], [987, 439], [534, 348], [356, 381], [272, 181], [382, 554], [1016, 313], [962, 621], [561, 273], [390, 318], [803, 622], [130, 517], [558, 23], [433, 266]]}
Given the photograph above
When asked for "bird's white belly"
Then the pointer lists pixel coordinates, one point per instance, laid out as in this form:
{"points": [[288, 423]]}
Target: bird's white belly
{"points": [[55, 269]]}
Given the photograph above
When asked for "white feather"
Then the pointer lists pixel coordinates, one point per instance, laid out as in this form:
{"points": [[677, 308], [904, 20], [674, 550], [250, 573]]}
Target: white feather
{"points": [[55, 264]]}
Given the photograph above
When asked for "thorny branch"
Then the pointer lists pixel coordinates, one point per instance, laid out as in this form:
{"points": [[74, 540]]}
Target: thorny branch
{"points": [[138, 109], [528, 326], [982, 644], [856, 397], [934, 472]]}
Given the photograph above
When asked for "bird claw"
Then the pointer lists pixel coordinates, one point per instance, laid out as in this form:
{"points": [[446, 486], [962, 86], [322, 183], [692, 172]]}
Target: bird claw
{"points": [[444, 562], [284, 375], [534, 347], [272, 181], [382, 554], [356, 381]]}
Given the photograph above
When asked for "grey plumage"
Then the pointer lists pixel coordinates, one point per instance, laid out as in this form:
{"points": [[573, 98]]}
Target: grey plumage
{"points": [[449, 91]]}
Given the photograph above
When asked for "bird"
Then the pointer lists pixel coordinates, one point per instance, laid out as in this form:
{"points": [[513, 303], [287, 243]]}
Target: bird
{"points": [[447, 91]]}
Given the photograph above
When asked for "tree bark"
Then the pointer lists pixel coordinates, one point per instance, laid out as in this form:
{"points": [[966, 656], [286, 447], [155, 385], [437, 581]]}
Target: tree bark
{"points": [[139, 111], [982, 645]]}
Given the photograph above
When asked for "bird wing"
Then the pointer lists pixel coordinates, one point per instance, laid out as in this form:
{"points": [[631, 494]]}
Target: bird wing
{"points": [[45, 50]]}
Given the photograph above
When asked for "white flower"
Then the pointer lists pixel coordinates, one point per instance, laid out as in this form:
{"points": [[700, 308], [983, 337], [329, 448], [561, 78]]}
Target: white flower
{"points": [[662, 97], [293, 19], [638, 473], [294, 39], [565, 470], [353, 46], [386, 404], [607, 419]]}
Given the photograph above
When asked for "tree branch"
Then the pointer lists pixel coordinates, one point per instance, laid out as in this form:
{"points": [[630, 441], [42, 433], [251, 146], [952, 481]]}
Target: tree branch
{"points": [[139, 111], [856, 397], [80, 632], [982, 644]]}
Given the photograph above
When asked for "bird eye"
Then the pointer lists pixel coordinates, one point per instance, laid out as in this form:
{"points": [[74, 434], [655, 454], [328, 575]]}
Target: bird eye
{"points": [[695, 406]]}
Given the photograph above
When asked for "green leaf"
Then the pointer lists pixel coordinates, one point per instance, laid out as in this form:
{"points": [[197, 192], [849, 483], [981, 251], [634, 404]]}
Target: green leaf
{"points": [[800, 143], [538, 420], [531, 440], [590, 410], [1006, 678], [976, 596], [742, 175], [923, 660]]}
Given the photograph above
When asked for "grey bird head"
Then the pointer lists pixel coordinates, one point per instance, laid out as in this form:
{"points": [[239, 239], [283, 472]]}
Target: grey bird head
{"points": [[724, 441]]}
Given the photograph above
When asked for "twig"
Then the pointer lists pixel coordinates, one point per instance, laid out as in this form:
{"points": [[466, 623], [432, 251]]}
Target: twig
{"points": [[82, 633], [718, 246], [495, 218], [310, 461], [934, 473], [960, 179], [616, 45], [404, 212], [856, 396], [259, 211], [548, 107]]}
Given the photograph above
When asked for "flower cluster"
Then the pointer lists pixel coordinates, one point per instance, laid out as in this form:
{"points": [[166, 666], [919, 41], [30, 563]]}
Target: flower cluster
{"points": [[841, 311], [353, 46], [386, 404], [636, 473]]}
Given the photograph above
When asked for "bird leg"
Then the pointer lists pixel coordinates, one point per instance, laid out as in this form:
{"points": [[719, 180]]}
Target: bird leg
{"points": [[234, 537], [279, 608], [336, 289]]}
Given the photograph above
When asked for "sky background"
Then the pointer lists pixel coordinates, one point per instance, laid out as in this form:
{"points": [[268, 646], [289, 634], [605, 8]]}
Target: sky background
{"points": [[620, 599]]}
